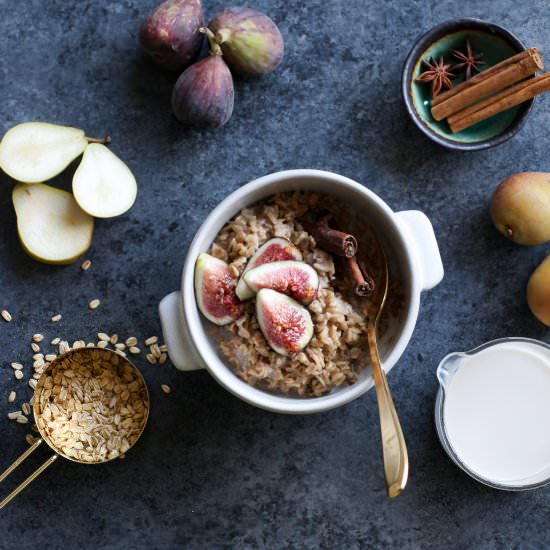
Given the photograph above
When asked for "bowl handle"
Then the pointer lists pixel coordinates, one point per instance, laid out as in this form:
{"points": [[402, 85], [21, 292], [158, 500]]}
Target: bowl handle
{"points": [[176, 334], [419, 228]]}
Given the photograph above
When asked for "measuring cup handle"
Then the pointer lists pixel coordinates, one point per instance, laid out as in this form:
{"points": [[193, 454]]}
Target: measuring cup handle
{"points": [[31, 478], [176, 334]]}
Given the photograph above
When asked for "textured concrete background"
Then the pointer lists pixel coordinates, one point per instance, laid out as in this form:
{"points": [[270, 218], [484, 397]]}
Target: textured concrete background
{"points": [[211, 471]]}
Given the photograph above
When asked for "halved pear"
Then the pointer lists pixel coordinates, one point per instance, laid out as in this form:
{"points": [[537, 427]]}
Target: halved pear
{"points": [[37, 151], [52, 227], [103, 185]]}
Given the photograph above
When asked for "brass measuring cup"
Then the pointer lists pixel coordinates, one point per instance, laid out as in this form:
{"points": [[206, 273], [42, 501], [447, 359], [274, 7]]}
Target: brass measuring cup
{"points": [[94, 355]]}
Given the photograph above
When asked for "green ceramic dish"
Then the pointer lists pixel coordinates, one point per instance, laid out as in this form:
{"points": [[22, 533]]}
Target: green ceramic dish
{"points": [[496, 44]]}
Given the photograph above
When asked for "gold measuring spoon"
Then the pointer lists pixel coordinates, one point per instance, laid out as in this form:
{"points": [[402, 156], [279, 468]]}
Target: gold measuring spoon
{"points": [[106, 366], [394, 448]]}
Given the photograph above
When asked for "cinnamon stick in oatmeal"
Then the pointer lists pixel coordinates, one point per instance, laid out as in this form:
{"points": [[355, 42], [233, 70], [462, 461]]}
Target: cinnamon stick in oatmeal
{"points": [[500, 102], [362, 282], [487, 82], [332, 240]]}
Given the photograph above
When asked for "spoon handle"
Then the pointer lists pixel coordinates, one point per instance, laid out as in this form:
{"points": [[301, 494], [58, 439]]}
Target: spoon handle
{"points": [[394, 448]]}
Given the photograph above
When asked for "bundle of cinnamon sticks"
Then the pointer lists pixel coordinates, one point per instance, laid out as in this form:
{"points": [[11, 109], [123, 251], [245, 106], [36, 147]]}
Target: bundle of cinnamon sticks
{"points": [[345, 246], [492, 91]]}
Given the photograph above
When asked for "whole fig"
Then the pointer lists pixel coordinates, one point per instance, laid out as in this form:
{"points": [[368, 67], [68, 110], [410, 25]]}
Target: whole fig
{"points": [[203, 94], [251, 43], [170, 34]]}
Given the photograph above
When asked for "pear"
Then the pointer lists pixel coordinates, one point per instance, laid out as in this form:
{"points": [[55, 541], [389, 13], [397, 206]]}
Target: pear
{"points": [[520, 208], [51, 226], [37, 151], [103, 185], [538, 292]]}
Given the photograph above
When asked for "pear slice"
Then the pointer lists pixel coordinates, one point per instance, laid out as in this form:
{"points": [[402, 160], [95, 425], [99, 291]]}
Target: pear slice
{"points": [[37, 151], [103, 185], [52, 227]]}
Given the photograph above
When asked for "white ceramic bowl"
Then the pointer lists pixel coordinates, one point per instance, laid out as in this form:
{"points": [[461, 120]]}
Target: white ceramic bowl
{"points": [[408, 240]]}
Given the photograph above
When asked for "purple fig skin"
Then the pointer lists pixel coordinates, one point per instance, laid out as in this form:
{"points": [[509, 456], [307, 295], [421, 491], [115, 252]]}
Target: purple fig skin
{"points": [[252, 44], [170, 34], [203, 94]]}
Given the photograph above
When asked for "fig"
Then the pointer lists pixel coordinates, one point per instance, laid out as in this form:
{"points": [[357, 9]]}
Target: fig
{"points": [[296, 279], [215, 290], [538, 292], [251, 42], [203, 94], [520, 208], [170, 34], [286, 325], [274, 250]]}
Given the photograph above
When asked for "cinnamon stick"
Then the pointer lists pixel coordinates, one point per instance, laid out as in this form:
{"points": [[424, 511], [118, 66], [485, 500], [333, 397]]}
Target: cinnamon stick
{"points": [[363, 283], [494, 79], [332, 240], [500, 102]]}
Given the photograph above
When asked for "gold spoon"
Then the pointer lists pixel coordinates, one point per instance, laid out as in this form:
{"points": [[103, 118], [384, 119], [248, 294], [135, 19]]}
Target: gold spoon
{"points": [[394, 448]]}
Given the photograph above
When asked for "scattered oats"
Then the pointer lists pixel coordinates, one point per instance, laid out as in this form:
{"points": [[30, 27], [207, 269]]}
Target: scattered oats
{"points": [[151, 359], [11, 397], [114, 339], [155, 350], [151, 340], [55, 341], [26, 408], [31, 400], [57, 318], [132, 341], [134, 350], [51, 357], [86, 264], [22, 419], [104, 337], [63, 347], [162, 359], [79, 344], [90, 345], [120, 345], [38, 364], [120, 352], [6, 315], [32, 383], [166, 388], [94, 304], [30, 439], [13, 415], [16, 366], [38, 338], [38, 356], [18, 374], [35, 347], [102, 344], [37, 375], [163, 348]]}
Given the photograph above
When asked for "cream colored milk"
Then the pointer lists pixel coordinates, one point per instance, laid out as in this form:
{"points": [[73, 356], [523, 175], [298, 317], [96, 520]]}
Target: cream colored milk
{"points": [[497, 412]]}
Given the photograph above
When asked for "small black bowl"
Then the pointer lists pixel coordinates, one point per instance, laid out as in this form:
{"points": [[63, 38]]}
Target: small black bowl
{"points": [[497, 44]]}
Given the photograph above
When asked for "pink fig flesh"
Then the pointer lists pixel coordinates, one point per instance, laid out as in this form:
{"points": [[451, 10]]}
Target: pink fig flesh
{"points": [[170, 34], [251, 42], [215, 290], [286, 325], [204, 94], [275, 250], [296, 279]]}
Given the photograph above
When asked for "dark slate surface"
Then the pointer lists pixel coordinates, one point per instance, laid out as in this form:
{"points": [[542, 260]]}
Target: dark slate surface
{"points": [[211, 471]]}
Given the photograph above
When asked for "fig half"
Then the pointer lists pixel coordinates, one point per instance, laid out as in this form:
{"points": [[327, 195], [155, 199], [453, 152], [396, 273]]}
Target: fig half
{"points": [[286, 325], [251, 42], [215, 290], [274, 250], [203, 94], [296, 279]]}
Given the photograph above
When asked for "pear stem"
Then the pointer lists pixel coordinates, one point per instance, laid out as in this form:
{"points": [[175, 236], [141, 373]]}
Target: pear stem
{"points": [[214, 46], [104, 141]]}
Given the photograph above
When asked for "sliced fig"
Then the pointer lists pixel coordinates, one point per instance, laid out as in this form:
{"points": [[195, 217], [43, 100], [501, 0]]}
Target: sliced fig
{"points": [[274, 250], [286, 325], [296, 279], [215, 290]]}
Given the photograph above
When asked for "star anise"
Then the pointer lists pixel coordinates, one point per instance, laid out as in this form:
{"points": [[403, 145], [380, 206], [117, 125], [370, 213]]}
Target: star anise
{"points": [[468, 61], [438, 73]]}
